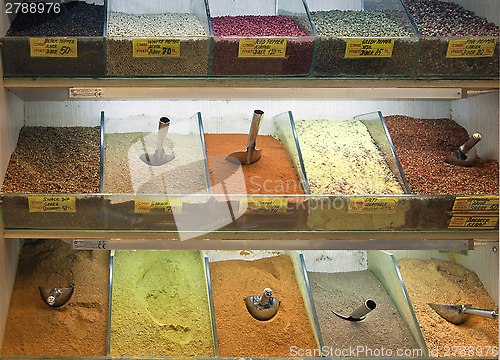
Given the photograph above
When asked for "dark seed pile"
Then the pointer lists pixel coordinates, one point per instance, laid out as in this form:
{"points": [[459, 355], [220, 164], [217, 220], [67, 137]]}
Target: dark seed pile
{"points": [[76, 18], [55, 160], [422, 145]]}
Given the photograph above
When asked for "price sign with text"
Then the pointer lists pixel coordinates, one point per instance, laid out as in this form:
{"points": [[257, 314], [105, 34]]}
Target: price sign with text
{"points": [[475, 204], [274, 205], [470, 48], [372, 205], [467, 221], [148, 205], [264, 48], [368, 48], [52, 204], [156, 47], [53, 47]]}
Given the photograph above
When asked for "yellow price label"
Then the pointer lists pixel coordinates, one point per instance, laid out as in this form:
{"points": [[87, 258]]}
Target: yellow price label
{"points": [[462, 221], [148, 205], [273, 205], [369, 48], [475, 204], [156, 47], [274, 48], [53, 47], [471, 48], [52, 204], [372, 205]]}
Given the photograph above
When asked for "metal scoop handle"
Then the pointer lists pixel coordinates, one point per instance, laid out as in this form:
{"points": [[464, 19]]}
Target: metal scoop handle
{"points": [[490, 314], [254, 127], [475, 138], [163, 126]]}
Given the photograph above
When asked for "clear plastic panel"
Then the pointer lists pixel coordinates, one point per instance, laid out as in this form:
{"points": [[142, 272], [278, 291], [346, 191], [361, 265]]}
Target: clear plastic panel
{"points": [[363, 38], [211, 303], [375, 124], [285, 129], [168, 38], [333, 150], [385, 268]]}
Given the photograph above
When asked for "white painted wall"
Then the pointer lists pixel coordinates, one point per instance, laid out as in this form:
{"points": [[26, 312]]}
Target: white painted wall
{"points": [[223, 116], [480, 114]]}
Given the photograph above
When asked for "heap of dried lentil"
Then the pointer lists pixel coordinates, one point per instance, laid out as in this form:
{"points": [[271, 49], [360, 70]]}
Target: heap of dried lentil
{"points": [[299, 47], [333, 24], [436, 18], [55, 160], [194, 45], [422, 145]]}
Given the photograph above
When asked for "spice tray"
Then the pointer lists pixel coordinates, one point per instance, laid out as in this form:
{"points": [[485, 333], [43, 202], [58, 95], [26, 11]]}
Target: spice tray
{"points": [[271, 38], [266, 195], [168, 38], [363, 39], [354, 175], [55, 39], [345, 281], [165, 296], [247, 273], [136, 190], [446, 278], [446, 57], [456, 43]]}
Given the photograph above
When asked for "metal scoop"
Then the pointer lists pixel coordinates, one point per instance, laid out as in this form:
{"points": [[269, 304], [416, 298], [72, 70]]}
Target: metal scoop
{"points": [[360, 312], [251, 155], [262, 307], [465, 155], [159, 157], [56, 297], [457, 314]]}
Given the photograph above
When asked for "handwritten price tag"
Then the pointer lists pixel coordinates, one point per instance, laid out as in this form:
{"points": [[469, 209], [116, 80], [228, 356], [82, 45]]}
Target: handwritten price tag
{"points": [[368, 48], [372, 205], [156, 47], [462, 221], [53, 47], [471, 48], [52, 204], [157, 205], [274, 205], [274, 48], [475, 204]]}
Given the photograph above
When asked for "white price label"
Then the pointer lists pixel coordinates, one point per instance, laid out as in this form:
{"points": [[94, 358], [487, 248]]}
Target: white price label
{"points": [[89, 245]]}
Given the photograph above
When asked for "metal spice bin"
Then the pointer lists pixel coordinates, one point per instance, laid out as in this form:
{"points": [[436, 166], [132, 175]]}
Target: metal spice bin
{"points": [[178, 30], [77, 29]]}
